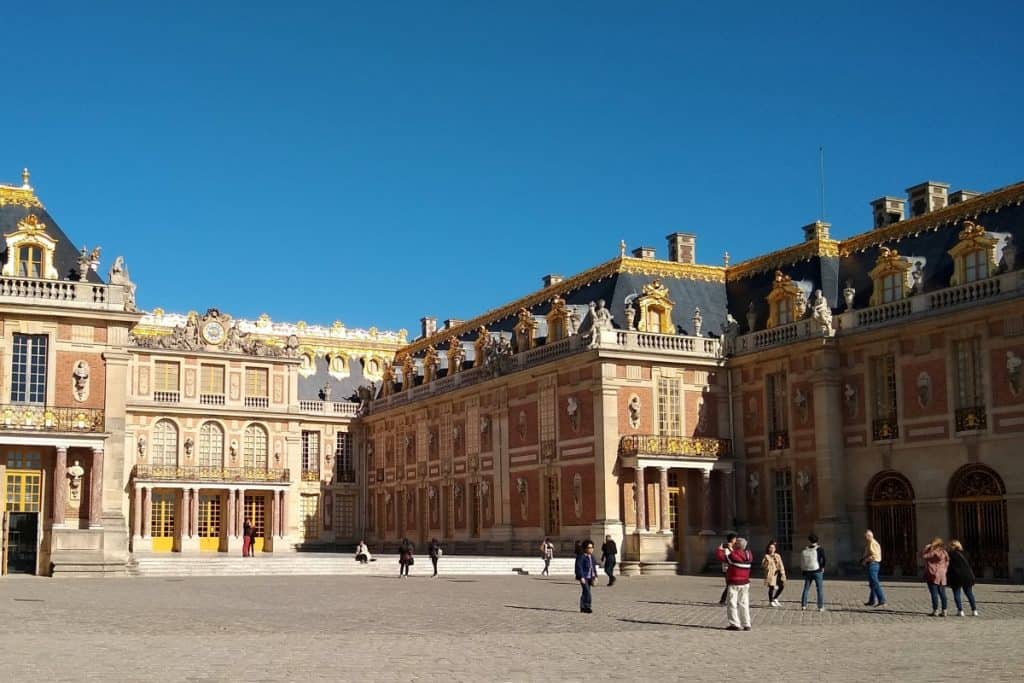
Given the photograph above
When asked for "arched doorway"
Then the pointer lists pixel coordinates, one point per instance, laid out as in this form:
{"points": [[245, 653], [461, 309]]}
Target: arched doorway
{"points": [[978, 505], [892, 518]]}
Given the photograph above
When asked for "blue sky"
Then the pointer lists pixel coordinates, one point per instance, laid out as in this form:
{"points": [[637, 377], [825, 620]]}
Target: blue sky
{"points": [[376, 162]]}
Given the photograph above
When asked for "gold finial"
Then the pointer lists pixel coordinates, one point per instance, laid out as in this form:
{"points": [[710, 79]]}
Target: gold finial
{"points": [[725, 259], [622, 248], [24, 179]]}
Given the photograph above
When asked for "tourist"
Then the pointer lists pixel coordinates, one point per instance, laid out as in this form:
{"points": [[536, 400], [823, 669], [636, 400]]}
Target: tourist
{"points": [[434, 550], [812, 564], [608, 552], [961, 577], [872, 559], [586, 573], [726, 548], [252, 540], [246, 538], [738, 560], [362, 553], [936, 563], [406, 558], [774, 574], [547, 551]]}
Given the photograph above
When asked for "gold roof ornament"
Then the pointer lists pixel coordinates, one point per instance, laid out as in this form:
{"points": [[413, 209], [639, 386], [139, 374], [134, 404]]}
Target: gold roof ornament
{"points": [[970, 231], [31, 225], [25, 175]]}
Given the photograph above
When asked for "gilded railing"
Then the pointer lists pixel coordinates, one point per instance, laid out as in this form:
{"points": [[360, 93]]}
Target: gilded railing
{"points": [[655, 445], [201, 473], [36, 418], [310, 475]]}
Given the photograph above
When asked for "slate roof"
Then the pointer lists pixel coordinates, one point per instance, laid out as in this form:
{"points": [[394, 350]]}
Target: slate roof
{"points": [[341, 389]]}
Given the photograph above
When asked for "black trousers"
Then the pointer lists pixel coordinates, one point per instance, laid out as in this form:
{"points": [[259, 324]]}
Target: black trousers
{"points": [[433, 561], [775, 591]]}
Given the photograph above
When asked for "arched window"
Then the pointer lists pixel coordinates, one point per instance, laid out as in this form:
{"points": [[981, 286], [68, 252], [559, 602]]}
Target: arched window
{"points": [[254, 447], [211, 445], [892, 517], [164, 450]]}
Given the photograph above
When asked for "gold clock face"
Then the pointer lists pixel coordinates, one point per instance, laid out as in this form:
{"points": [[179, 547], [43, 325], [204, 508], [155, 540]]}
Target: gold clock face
{"points": [[213, 332]]}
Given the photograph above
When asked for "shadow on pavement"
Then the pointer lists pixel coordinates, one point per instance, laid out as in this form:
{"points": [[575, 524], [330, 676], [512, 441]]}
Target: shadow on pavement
{"points": [[541, 609], [666, 623]]}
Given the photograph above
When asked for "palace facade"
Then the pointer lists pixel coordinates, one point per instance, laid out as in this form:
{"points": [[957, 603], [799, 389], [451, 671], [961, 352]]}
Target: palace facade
{"points": [[831, 386]]}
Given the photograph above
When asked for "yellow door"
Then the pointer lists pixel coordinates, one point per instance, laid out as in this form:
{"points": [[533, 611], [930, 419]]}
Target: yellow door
{"points": [[256, 513], [21, 524], [162, 522], [209, 523]]}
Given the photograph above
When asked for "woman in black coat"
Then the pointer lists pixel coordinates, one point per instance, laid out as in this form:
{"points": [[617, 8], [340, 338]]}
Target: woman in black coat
{"points": [[960, 576]]}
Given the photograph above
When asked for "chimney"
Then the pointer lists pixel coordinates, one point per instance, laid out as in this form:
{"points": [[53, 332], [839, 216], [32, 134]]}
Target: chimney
{"points": [[646, 253], [551, 279], [961, 196], [887, 210], [927, 197], [682, 247], [816, 231], [428, 326]]}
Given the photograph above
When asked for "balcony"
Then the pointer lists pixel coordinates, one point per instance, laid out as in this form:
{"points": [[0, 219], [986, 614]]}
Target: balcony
{"points": [[342, 408], [36, 418], [884, 429], [656, 445], [211, 399], [61, 293], [209, 474], [971, 419], [310, 475], [167, 396], [257, 402]]}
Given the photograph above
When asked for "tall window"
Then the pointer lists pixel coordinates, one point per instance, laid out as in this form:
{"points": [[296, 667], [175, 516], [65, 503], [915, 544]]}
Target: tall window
{"points": [[310, 451], [784, 509], [28, 369], [975, 265], [256, 382], [30, 261], [775, 388], [254, 447], [164, 447], [783, 314], [165, 381], [892, 287], [967, 357], [343, 456], [310, 511], [211, 384], [883, 380], [669, 411], [211, 445]]}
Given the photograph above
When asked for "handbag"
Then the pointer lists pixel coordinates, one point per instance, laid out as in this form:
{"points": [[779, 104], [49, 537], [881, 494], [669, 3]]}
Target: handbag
{"points": [[412, 560], [440, 552]]}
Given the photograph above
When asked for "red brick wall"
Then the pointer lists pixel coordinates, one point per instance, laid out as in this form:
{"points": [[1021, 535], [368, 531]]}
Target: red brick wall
{"points": [[938, 405], [532, 478], [522, 431], [1002, 392], [64, 388], [853, 411], [585, 412], [753, 413], [647, 411], [571, 503]]}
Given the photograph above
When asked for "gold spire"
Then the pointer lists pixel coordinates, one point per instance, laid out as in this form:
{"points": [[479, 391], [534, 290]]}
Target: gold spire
{"points": [[24, 179]]}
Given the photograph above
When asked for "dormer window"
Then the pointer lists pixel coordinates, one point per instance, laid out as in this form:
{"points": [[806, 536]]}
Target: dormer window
{"points": [[30, 261], [655, 309], [890, 277], [30, 250], [974, 256], [785, 301]]}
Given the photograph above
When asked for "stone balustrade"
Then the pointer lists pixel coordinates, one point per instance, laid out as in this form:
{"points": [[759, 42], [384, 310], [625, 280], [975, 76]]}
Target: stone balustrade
{"points": [[61, 293], [209, 474]]}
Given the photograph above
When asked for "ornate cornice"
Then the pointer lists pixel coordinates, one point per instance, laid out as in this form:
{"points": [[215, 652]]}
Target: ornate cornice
{"points": [[805, 251], [1008, 196], [19, 196], [622, 264]]}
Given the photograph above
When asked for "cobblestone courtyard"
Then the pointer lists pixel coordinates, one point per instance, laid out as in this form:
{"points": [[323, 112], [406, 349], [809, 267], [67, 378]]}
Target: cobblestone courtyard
{"points": [[486, 628]]}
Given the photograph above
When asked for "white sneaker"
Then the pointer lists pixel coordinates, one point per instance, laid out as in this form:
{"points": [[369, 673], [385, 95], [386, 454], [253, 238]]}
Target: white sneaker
{"points": [[821, 609], [776, 603], [803, 608], [974, 613], [934, 613], [959, 612], [943, 613]]}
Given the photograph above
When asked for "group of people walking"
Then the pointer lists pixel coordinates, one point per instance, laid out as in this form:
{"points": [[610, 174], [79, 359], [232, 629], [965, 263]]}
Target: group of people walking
{"points": [[942, 567], [407, 556]]}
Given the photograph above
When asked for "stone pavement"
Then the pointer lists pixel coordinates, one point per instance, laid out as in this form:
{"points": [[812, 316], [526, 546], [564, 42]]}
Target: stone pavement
{"points": [[487, 628]]}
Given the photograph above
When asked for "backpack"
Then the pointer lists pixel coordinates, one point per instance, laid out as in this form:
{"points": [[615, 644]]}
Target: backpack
{"points": [[809, 560]]}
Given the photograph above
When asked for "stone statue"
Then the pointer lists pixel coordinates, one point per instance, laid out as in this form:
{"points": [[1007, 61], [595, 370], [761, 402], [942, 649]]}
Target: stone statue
{"points": [[730, 331], [916, 278], [850, 399], [84, 264], [848, 295], [634, 411], [1009, 259], [80, 378], [291, 347], [75, 473], [821, 313], [574, 321], [924, 389], [189, 446], [577, 495], [698, 320], [751, 317], [141, 446], [94, 258], [600, 321], [1013, 371], [800, 306], [117, 275], [524, 492], [803, 480], [800, 402], [234, 339], [325, 392], [233, 450], [754, 483], [456, 357], [630, 314], [572, 409]]}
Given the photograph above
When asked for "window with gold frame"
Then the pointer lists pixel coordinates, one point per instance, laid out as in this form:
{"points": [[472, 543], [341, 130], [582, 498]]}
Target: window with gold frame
{"points": [[890, 277], [974, 255], [782, 300], [256, 382], [165, 376], [211, 379]]}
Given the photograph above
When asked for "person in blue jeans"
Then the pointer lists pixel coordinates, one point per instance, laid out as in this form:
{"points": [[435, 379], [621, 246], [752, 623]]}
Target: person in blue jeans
{"points": [[812, 563], [586, 574], [872, 559], [961, 578]]}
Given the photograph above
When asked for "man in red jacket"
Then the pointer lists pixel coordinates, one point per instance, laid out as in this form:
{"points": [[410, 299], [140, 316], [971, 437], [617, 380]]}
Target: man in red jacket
{"points": [[737, 575]]}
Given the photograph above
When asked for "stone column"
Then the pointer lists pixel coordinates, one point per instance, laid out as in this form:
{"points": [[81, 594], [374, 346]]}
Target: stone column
{"points": [[195, 514], [96, 490], [608, 516], [147, 512], [665, 526], [230, 517], [641, 500], [729, 487], [284, 513], [705, 503], [275, 514], [186, 513], [60, 485], [137, 513], [833, 525]]}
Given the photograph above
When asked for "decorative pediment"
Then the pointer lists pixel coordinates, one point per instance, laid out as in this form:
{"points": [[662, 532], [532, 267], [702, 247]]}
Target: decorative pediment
{"points": [[30, 250], [783, 300], [655, 309], [972, 239], [558, 320], [526, 330], [889, 262]]}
